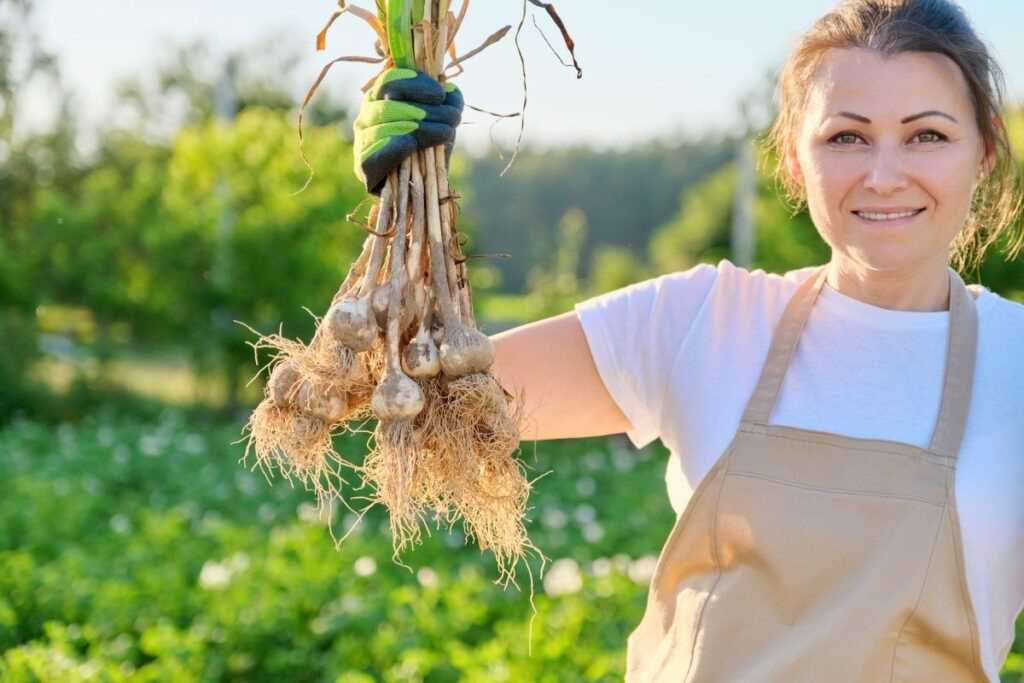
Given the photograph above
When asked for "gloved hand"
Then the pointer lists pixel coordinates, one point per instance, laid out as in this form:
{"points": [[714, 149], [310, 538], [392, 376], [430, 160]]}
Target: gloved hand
{"points": [[405, 110]]}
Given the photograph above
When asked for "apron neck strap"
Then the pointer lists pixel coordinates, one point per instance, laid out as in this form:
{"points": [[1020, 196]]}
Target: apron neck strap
{"points": [[961, 347]]}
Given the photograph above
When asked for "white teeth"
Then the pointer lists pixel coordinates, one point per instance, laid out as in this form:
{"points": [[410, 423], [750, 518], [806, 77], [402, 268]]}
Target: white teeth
{"points": [[884, 216]]}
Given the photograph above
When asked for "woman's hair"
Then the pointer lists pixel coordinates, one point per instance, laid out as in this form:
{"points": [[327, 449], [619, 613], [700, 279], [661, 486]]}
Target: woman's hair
{"points": [[892, 27]]}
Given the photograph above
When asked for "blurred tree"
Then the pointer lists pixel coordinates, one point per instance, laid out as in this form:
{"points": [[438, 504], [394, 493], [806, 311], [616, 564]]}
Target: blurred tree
{"points": [[29, 161], [94, 238], [135, 235], [287, 251], [613, 267], [139, 245], [555, 281], [784, 240], [700, 229], [624, 195]]}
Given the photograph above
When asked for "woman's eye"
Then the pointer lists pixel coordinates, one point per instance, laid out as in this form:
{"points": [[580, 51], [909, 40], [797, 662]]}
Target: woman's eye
{"points": [[937, 136], [838, 137]]}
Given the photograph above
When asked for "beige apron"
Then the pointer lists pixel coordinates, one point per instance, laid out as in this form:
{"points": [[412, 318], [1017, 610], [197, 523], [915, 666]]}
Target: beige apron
{"points": [[808, 556]]}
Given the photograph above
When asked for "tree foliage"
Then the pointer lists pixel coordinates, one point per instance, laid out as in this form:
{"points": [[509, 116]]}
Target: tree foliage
{"points": [[623, 195], [177, 243]]}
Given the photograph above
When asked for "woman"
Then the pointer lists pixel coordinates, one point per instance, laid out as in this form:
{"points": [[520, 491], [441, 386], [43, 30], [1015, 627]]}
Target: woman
{"points": [[847, 438]]}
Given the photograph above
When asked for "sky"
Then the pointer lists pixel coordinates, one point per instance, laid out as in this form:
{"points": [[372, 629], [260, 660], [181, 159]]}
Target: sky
{"points": [[651, 69]]}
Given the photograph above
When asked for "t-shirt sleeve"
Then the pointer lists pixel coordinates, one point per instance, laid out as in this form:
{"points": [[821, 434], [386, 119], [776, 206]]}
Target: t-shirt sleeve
{"points": [[635, 333]]}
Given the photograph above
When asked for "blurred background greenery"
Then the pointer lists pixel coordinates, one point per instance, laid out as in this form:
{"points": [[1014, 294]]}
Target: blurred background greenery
{"points": [[134, 545]]}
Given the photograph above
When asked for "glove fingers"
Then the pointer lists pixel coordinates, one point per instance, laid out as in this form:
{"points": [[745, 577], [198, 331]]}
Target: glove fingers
{"points": [[453, 97], [441, 113], [386, 153], [376, 165], [429, 134], [382, 112], [373, 114], [420, 88]]}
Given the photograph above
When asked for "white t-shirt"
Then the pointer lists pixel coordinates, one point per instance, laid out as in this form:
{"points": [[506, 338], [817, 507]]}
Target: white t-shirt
{"points": [[681, 354]]}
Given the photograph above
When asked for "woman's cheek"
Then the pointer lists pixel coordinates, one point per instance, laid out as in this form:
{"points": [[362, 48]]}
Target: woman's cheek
{"points": [[833, 179], [945, 179]]}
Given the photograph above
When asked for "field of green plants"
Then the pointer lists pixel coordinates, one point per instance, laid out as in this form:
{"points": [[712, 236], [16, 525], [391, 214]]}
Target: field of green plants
{"points": [[145, 550]]}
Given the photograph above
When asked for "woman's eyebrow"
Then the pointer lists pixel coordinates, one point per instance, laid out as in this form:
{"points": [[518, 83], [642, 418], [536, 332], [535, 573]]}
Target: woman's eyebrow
{"points": [[930, 112]]}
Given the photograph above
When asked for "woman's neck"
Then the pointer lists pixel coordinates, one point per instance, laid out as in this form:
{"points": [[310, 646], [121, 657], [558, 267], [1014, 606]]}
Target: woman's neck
{"points": [[923, 289]]}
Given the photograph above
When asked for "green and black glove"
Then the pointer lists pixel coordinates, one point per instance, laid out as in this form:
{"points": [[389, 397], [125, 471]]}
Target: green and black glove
{"points": [[405, 110]]}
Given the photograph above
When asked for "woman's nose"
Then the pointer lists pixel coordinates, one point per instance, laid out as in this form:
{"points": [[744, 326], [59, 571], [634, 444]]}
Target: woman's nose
{"points": [[886, 173]]}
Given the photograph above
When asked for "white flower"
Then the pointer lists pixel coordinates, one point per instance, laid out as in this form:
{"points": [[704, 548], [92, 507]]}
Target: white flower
{"points": [[585, 514], [309, 513], [120, 524], [642, 569], [238, 562], [365, 566], [152, 444], [585, 486], [593, 460], [623, 459], [563, 577], [193, 444], [266, 512], [427, 577], [217, 575], [554, 518], [593, 532], [214, 575], [105, 435], [602, 566], [246, 483], [121, 455]]}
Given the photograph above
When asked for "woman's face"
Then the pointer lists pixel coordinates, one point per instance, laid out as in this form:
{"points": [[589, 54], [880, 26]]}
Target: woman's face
{"points": [[882, 135]]}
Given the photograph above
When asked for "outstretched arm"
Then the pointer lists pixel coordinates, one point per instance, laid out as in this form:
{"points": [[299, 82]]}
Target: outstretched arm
{"points": [[565, 397]]}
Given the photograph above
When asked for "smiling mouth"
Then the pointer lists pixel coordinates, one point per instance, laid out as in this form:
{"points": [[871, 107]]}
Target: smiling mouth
{"points": [[887, 217]]}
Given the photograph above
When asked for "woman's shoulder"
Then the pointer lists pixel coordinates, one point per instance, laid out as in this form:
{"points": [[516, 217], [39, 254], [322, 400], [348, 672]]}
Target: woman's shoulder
{"points": [[998, 307], [723, 275], [655, 293], [756, 287], [734, 275], [1001, 324], [789, 279]]}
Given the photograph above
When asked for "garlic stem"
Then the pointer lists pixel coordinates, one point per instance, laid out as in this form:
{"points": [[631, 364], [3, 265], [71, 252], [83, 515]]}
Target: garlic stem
{"points": [[397, 267], [438, 270], [465, 297], [428, 39], [377, 247], [351, 319], [441, 36], [357, 270], [451, 244], [419, 224]]}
